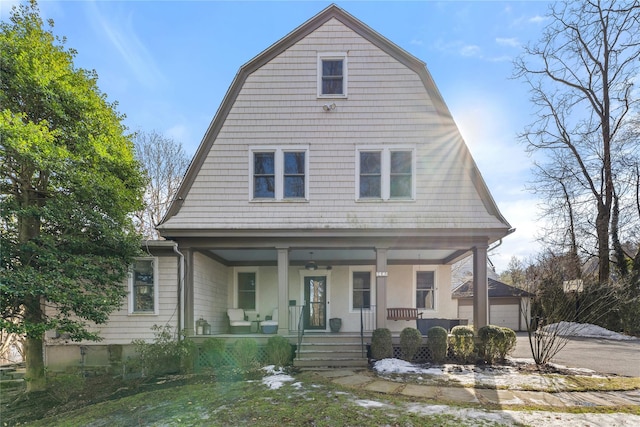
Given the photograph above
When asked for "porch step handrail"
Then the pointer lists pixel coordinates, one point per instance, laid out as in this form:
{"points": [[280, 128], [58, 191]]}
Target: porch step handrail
{"points": [[300, 330]]}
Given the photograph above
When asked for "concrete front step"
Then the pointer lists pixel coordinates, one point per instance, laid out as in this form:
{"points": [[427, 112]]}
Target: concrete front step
{"points": [[330, 363]]}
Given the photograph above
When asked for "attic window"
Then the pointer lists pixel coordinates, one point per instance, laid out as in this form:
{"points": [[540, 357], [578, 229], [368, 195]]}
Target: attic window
{"points": [[332, 75]]}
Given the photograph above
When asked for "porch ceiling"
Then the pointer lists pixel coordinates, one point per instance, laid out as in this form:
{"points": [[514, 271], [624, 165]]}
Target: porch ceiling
{"points": [[330, 257]]}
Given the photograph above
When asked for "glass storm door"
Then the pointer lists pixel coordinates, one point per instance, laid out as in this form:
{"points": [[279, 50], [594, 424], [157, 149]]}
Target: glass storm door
{"points": [[315, 297]]}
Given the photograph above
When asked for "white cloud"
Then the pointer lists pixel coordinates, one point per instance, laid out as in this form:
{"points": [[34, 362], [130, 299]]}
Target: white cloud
{"points": [[510, 42], [123, 37], [417, 42], [538, 19], [470, 50]]}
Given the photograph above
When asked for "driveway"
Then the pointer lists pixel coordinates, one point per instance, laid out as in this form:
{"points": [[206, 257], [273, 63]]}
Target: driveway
{"points": [[601, 355]]}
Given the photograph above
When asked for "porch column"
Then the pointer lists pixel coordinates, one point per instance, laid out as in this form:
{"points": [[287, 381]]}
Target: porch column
{"points": [[283, 291], [480, 288], [381, 287], [188, 294]]}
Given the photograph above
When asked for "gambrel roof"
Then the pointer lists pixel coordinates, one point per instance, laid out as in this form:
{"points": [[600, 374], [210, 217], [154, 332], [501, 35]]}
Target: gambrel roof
{"points": [[268, 103]]}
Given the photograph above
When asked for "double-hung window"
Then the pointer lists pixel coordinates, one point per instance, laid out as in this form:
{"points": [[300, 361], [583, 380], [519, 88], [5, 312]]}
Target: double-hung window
{"points": [[247, 287], [279, 174], [143, 288], [425, 290], [361, 290], [332, 75], [385, 173]]}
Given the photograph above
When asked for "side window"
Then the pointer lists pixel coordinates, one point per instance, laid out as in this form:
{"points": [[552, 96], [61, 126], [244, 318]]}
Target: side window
{"points": [[294, 174], [400, 175], [332, 75], [247, 291], [361, 290], [279, 173], [142, 287], [384, 173], [264, 175], [370, 174], [425, 290]]}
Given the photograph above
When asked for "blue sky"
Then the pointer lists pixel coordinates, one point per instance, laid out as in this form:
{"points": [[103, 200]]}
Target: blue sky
{"points": [[168, 64]]}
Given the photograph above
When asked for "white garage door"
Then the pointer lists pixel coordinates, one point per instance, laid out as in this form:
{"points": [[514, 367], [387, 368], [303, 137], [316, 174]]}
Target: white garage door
{"points": [[505, 315], [466, 312]]}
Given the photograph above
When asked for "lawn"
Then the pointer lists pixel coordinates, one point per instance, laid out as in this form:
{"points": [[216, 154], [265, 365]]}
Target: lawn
{"points": [[266, 399]]}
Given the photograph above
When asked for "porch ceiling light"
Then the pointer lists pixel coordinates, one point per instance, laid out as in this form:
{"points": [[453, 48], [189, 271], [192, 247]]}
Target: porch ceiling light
{"points": [[310, 265]]}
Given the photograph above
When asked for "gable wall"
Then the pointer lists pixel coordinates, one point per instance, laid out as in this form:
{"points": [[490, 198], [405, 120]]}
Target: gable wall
{"points": [[387, 104]]}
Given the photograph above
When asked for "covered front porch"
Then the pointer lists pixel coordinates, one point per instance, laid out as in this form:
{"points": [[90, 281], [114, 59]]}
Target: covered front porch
{"points": [[311, 277]]}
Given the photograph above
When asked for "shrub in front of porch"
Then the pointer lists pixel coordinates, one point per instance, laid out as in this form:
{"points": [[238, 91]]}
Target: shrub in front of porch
{"points": [[212, 350], [245, 356], [381, 345], [279, 351], [462, 343], [496, 342], [410, 340], [437, 341], [166, 354]]}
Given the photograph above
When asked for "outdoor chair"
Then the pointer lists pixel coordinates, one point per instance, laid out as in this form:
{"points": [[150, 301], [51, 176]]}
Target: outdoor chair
{"points": [[238, 323], [270, 326]]}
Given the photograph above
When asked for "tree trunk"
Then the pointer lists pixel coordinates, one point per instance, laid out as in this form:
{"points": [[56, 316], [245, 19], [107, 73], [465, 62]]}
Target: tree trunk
{"points": [[602, 231], [36, 380]]}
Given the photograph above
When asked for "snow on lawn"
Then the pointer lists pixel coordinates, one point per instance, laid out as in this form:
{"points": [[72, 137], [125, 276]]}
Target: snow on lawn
{"points": [[533, 418], [572, 329], [470, 375], [275, 377]]}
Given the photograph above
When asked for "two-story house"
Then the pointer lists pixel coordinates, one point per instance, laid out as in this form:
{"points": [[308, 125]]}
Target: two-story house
{"points": [[332, 182]]}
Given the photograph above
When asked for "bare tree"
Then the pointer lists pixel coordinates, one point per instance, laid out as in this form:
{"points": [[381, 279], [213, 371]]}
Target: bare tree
{"points": [[580, 75], [164, 163]]}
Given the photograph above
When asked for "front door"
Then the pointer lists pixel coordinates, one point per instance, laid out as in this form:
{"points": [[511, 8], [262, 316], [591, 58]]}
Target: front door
{"points": [[315, 297]]}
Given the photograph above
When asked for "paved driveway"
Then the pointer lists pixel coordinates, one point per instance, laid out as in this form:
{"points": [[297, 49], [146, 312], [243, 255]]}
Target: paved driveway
{"points": [[600, 355]]}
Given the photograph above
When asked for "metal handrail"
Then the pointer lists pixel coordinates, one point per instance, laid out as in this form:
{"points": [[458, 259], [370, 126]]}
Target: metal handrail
{"points": [[361, 332], [300, 330]]}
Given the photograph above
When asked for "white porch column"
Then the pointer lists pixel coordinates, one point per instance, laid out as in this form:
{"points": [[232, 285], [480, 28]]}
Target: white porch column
{"points": [[283, 291], [189, 321], [381, 287], [480, 288]]}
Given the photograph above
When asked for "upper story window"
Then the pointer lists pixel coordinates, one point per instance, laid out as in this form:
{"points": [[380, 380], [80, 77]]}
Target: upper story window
{"points": [[143, 287], [279, 173], [332, 75], [386, 174]]}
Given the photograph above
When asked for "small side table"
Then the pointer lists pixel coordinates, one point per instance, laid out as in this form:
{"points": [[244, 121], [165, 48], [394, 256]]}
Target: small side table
{"points": [[255, 328]]}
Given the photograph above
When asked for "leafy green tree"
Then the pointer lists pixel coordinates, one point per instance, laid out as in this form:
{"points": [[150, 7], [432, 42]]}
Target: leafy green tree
{"points": [[69, 185]]}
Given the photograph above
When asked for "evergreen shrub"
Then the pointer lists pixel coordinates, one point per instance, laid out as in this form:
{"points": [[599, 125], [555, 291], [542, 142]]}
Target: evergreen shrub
{"points": [[381, 345], [462, 343], [437, 341], [410, 340], [278, 351]]}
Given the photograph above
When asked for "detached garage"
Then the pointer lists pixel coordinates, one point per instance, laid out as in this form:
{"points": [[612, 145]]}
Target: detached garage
{"points": [[508, 305]]}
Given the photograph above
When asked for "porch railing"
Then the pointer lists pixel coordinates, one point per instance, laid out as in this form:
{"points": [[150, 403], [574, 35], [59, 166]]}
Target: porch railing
{"points": [[367, 323], [300, 330]]}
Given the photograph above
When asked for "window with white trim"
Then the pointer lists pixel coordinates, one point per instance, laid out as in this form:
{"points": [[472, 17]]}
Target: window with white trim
{"points": [[385, 173], [332, 75], [426, 290], [143, 287], [279, 174], [246, 288]]}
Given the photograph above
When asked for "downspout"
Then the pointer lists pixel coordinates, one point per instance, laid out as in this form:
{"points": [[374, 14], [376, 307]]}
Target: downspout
{"points": [[180, 290]]}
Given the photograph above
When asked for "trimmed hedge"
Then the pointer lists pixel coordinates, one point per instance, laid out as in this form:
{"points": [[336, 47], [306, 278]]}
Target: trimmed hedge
{"points": [[410, 340], [462, 343], [279, 351], [381, 345], [438, 343], [496, 342]]}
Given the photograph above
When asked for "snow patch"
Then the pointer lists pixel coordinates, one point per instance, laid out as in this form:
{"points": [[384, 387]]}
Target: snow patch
{"points": [[275, 378]]}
